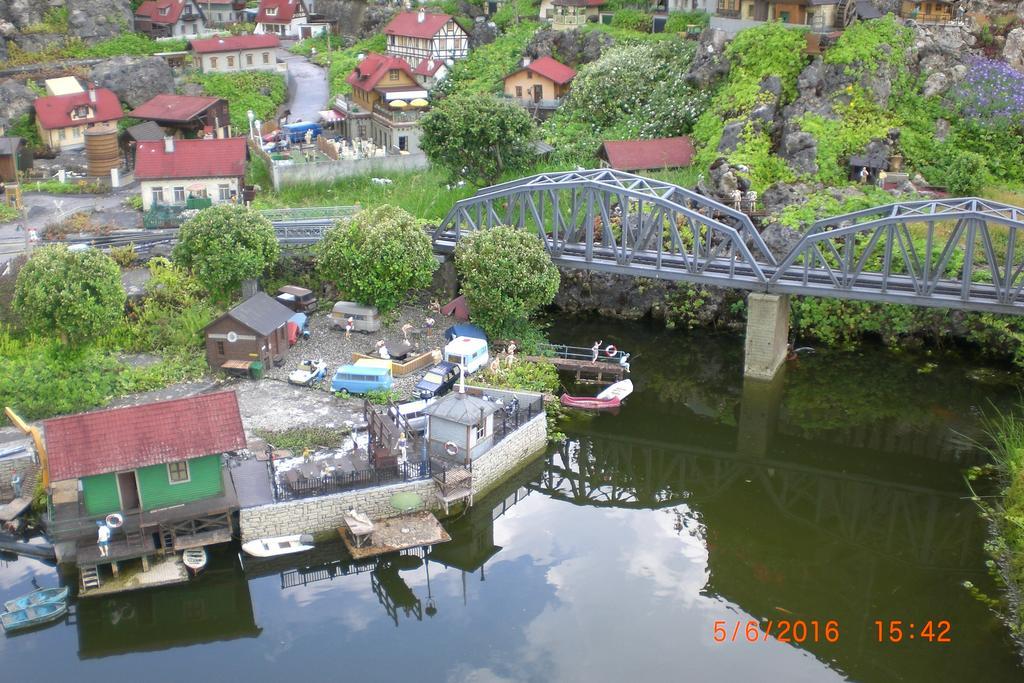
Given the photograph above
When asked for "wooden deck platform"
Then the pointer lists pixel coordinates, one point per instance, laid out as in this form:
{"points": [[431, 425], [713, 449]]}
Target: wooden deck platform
{"points": [[398, 533], [162, 572], [586, 371]]}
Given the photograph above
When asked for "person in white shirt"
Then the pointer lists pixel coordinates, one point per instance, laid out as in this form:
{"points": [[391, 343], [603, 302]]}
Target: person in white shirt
{"points": [[103, 540]]}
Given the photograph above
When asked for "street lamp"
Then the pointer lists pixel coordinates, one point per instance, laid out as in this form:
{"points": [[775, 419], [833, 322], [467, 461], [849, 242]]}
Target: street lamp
{"points": [[252, 117]]}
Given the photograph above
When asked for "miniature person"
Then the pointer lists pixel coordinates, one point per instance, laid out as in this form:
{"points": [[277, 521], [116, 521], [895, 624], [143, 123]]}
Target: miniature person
{"points": [[403, 444], [406, 328], [350, 323], [382, 350], [882, 175], [435, 306], [624, 361], [596, 350], [864, 175], [306, 452], [103, 540], [429, 322], [16, 485], [511, 351]]}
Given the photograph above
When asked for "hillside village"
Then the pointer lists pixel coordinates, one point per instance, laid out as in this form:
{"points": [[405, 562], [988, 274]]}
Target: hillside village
{"points": [[266, 220]]}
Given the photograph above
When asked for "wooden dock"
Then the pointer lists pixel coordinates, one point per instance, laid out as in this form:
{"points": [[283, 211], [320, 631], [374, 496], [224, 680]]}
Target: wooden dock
{"points": [[586, 371], [393, 534], [160, 572]]}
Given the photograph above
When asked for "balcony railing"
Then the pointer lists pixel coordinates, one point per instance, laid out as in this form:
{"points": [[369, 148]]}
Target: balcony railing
{"points": [[535, 104], [397, 116]]}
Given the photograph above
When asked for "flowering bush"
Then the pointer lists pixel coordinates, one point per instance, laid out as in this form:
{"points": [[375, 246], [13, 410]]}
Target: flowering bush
{"points": [[635, 91], [992, 93]]}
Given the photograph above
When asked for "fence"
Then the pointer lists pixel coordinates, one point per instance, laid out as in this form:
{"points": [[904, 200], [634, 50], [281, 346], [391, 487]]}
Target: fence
{"points": [[338, 482]]}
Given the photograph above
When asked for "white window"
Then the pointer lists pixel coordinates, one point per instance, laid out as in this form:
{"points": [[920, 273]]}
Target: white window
{"points": [[271, 11], [481, 430], [61, 134], [231, 61], [213, 62], [224, 192], [177, 472], [248, 59], [179, 195], [266, 58], [158, 195]]}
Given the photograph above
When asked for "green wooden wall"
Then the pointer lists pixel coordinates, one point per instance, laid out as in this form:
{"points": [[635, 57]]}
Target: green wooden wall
{"points": [[157, 491], [100, 492]]}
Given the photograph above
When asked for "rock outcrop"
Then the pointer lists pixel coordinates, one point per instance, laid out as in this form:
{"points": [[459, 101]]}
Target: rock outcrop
{"points": [[1013, 49], [570, 47], [15, 100], [709, 61], [482, 33], [95, 20], [134, 79]]}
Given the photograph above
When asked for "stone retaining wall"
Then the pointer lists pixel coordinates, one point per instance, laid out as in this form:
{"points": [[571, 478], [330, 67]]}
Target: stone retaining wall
{"points": [[323, 515]]}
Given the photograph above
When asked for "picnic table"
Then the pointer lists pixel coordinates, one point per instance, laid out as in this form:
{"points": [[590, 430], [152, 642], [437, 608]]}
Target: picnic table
{"points": [[359, 526]]}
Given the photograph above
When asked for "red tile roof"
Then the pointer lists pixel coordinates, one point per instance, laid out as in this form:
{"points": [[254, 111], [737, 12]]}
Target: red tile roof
{"points": [[151, 434], [151, 10], [55, 111], [550, 68], [578, 3], [373, 68], [642, 155], [285, 11], [224, 158], [232, 43], [428, 67], [408, 24], [178, 108]]}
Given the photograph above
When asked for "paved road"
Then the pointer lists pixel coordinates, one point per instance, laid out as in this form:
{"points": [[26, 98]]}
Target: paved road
{"points": [[308, 91]]}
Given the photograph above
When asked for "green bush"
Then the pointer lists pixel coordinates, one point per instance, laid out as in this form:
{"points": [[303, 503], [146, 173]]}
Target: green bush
{"points": [[507, 276], [377, 257], [76, 296], [258, 91], [679, 22], [478, 137], [297, 439], [225, 244], [966, 174], [633, 20], [539, 376], [24, 127], [515, 11]]}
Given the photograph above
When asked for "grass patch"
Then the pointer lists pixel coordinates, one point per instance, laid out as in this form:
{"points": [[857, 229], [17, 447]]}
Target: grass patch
{"points": [[259, 91], [8, 213], [298, 439], [57, 187]]}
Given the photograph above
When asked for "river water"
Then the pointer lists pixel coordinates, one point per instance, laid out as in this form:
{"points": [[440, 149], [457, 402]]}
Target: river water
{"points": [[834, 497]]}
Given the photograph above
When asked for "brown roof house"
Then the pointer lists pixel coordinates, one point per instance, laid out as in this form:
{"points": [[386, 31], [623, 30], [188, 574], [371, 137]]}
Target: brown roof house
{"points": [[539, 85], [254, 330], [15, 156], [187, 116], [646, 155]]}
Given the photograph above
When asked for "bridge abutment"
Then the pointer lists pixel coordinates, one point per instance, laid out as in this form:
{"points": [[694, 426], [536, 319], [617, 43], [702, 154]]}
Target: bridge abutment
{"points": [[767, 335]]}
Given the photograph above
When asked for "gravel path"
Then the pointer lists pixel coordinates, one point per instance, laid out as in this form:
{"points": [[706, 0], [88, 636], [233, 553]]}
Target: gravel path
{"points": [[332, 346]]}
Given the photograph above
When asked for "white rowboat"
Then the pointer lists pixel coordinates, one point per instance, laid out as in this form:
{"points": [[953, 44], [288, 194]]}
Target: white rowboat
{"points": [[619, 390], [280, 545]]}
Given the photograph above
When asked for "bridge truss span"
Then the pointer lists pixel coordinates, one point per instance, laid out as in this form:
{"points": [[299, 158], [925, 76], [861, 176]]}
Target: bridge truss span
{"points": [[962, 253]]}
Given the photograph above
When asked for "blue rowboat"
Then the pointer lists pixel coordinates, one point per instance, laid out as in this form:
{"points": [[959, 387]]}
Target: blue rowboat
{"points": [[21, 619], [37, 597]]}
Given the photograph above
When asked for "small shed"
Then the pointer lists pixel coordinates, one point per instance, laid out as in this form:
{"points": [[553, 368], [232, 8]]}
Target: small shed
{"points": [[464, 420], [254, 330], [15, 156]]}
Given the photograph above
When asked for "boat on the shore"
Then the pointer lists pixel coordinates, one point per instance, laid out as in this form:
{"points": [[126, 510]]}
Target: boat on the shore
{"points": [[609, 399], [37, 597], [21, 619], [194, 560], [279, 545]]}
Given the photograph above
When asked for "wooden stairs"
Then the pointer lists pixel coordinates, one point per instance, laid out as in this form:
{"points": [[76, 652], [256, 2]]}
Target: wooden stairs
{"points": [[90, 576]]}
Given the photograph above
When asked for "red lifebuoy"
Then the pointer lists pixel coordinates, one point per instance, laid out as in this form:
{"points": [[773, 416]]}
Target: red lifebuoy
{"points": [[451, 448], [610, 350]]}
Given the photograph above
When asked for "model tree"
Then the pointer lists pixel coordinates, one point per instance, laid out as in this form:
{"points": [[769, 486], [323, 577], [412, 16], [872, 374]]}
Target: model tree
{"points": [[224, 245], [377, 256], [507, 276], [478, 137], [76, 295]]}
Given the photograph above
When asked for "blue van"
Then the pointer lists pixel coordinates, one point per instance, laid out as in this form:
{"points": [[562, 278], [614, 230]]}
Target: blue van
{"points": [[296, 132], [359, 379]]}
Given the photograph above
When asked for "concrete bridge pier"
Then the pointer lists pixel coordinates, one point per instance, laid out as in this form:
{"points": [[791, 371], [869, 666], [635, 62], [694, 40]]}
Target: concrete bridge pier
{"points": [[759, 414], [767, 335]]}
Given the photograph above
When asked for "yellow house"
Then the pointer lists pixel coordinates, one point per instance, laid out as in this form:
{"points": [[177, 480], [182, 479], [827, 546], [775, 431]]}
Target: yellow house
{"points": [[540, 84], [388, 103], [63, 119], [932, 12]]}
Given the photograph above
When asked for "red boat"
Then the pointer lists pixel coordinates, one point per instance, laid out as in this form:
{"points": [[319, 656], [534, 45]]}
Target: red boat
{"points": [[590, 402]]}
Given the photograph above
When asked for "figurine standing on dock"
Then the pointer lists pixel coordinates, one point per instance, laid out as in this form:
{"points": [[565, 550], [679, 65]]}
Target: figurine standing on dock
{"points": [[596, 350], [103, 540]]}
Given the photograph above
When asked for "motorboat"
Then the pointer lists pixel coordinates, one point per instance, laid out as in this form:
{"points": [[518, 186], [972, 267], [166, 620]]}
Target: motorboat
{"points": [[21, 619], [311, 372], [619, 390], [279, 545], [194, 560], [608, 399], [37, 597]]}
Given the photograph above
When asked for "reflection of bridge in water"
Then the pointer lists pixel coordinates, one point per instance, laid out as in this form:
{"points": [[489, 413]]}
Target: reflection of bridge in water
{"points": [[896, 520]]}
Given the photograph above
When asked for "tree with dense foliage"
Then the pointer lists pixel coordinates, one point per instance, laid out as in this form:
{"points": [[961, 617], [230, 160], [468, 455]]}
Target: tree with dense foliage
{"points": [[76, 295], [377, 257], [224, 245], [478, 137], [507, 275]]}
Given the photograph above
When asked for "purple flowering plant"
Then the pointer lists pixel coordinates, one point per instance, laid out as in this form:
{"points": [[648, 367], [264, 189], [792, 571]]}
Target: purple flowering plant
{"points": [[991, 94]]}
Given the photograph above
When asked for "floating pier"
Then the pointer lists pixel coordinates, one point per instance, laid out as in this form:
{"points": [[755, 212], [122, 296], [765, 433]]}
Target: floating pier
{"points": [[607, 369], [393, 534]]}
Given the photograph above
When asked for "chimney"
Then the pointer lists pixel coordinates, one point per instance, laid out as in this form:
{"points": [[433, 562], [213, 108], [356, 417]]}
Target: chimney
{"points": [[526, 61], [421, 16], [168, 144], [92, 93]]}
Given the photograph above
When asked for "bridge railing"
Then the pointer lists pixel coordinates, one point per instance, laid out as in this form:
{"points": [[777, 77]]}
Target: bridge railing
{"points": [[307, 213]]}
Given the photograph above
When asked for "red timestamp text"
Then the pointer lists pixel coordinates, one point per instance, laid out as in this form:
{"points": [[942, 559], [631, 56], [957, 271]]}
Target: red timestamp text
{"points": [[783, 630], [929, 630]]}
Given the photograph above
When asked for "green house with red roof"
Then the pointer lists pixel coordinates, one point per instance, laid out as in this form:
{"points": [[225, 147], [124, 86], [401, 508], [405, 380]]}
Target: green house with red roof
{"points": [[154, 472]]}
